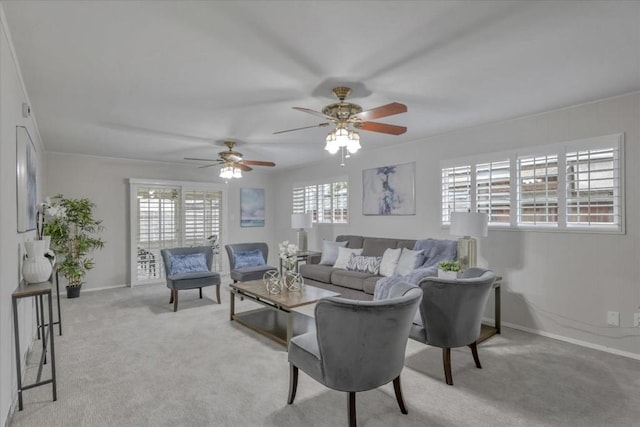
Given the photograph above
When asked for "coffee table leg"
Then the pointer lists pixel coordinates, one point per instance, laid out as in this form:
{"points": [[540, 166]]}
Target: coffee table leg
{"points": [[289, 327], [232, 305]]}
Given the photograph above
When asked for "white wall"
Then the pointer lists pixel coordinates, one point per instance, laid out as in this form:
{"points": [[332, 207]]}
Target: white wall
{"points": [[557, 283], [105, 182], [12, 95]]}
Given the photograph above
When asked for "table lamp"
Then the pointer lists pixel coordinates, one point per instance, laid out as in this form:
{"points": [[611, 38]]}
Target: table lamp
{"points": [[468, 225], [301, 221]]}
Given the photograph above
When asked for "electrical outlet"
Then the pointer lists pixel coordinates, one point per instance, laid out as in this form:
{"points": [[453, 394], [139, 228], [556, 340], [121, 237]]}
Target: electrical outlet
{"points": [[613, 318], [636, 320]]}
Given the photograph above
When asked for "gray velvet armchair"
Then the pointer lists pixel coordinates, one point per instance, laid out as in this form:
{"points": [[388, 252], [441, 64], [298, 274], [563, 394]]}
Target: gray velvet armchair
{"points": [[250, 272], [357, 345], [451, 313], [189, 268]]}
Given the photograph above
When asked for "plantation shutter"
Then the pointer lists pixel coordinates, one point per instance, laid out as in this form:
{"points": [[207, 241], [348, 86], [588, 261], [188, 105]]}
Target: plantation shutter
{"points": [[538, 190], [456, 191], [203, 220], [493, 195]]}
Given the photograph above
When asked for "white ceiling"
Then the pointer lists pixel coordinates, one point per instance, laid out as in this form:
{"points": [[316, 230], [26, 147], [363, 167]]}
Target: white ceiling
{"points": [[165, 80]]}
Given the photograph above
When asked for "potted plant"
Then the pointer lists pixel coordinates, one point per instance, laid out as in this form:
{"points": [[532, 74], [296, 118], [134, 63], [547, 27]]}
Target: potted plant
{"points": [[74, 234], [448, 269]]}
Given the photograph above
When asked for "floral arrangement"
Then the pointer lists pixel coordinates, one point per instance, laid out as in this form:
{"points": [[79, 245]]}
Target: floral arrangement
{"points": [[287, 252], [49, 211], [449, 266]]}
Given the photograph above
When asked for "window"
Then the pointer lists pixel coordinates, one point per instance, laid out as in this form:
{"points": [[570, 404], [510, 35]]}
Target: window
{"points": [[165, 216], [538, 190], [456, 191], [329, 202], [575, 185], [493, 191]]}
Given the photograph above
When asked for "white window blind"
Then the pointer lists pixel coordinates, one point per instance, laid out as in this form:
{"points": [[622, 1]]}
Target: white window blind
{"points": [[328, 202], [493, 191], [593, 182], [538, 190], [456, 191]]}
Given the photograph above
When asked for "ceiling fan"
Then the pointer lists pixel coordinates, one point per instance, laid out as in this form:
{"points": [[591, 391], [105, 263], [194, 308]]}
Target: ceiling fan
{"points": [[344, 114], [233, 162]]}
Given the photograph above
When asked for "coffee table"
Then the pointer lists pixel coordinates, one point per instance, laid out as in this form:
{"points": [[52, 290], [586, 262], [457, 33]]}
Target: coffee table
{"points": [[279, 319]]}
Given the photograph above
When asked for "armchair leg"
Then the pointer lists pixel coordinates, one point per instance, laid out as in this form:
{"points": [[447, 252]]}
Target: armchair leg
{"points": [[171, 299], [200, 293], [293, 383], [218, 293], [398, 389], [446, 359], [474, 350], [352, 408], [175, 300]]}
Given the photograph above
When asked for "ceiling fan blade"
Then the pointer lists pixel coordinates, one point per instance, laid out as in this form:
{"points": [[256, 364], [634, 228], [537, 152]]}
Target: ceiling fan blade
{"points": [[258, 163], [208, 166], [381, 127], [321, 125], [314, 112], [243, 167], [382, 111], [201, 160]]}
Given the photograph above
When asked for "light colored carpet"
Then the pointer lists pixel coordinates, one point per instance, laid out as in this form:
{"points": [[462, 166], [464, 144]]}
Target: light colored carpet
{"points": [[126, 359]]}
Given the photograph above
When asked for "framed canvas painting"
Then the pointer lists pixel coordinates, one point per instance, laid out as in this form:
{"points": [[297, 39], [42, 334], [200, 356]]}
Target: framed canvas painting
{"points": [[252, 207], [389, 190], [26, 170]]}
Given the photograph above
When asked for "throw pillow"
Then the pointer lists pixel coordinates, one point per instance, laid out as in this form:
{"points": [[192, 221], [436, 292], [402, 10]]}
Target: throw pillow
{"points": [[364, 264], [409, 261], [343, 257], [330, 252], [191, 263], [249, 259], [389, 261]]}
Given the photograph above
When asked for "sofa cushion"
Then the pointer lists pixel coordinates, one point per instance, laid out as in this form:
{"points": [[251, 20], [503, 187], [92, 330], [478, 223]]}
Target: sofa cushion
{"points": [[375, 246], [343, 257], [246, 274], [369, 284], [409, 261], [364, 264], [349, 279], [409, 244], [389, 262], [330, 251], [353, 242], [317, 272]]}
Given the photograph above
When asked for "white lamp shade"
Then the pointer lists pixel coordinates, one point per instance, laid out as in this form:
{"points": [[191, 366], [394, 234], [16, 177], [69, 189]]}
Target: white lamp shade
{"points": [[473, 224], [301, 220]]}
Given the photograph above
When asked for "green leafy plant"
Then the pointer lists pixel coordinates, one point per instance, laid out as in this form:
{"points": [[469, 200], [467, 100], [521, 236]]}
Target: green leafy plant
{"points": [[449, 266], [74, 234]]}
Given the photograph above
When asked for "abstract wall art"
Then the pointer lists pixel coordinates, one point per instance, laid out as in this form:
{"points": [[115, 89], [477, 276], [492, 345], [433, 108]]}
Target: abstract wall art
{"points": [[252, 207], [389, 190]]}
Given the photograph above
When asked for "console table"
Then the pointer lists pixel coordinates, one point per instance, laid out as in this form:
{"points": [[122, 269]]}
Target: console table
{"points": [[489, 331], [37, 291]]}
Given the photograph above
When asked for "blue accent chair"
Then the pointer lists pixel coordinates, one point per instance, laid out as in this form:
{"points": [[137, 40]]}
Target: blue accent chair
{"points": [[246, 274], [190, 280]]}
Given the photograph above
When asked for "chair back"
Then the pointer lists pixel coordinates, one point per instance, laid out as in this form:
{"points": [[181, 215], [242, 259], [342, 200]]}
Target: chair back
{"points": [[362, 343], [452, 309], [168, 253], [234, 248]]}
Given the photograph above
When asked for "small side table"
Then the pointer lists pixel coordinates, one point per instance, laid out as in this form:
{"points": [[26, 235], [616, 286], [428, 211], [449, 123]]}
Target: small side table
{"points": [[301, 256], [38, 291], [59, 322], [488, 331]]}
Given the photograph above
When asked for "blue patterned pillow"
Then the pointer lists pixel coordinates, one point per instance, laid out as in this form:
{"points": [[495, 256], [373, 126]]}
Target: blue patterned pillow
{"points": [[191, 263], [249, 259], [364, 264]]}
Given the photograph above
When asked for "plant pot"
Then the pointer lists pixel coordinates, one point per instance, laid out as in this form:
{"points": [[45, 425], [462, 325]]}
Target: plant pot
{"points": [[451, 275], [73, 291]]}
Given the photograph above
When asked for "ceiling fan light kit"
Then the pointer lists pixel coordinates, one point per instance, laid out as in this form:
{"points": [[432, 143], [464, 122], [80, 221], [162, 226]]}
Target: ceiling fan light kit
{"points": [[233, 163], [228, 172], [344, 114]]}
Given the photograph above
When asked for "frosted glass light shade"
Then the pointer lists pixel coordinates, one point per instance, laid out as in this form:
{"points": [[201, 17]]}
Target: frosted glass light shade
{"points": [[473, 224]]}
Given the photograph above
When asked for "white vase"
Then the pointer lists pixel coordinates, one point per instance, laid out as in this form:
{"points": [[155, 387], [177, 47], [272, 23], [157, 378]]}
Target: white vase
{"points": [[35, 268]]}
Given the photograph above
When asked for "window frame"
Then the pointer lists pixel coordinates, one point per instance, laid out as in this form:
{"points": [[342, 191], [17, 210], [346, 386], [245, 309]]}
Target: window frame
{"points": [[320, 185], [561, 149]]}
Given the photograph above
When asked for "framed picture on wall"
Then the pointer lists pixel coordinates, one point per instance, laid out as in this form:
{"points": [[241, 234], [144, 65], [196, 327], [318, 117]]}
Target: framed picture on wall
{"points": [[26, 170], [252, 207], [389, 190]]}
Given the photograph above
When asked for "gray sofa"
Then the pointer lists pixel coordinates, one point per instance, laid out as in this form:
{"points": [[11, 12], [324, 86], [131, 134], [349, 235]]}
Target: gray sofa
{"points": [[351, 284]]}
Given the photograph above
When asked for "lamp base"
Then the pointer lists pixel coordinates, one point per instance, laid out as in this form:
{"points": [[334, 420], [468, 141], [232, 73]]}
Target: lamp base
{"points": [[302, 240], [467, 252]]}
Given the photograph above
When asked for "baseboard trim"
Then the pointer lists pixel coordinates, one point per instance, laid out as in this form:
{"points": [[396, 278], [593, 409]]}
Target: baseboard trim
{"points": [[574, 341]]}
